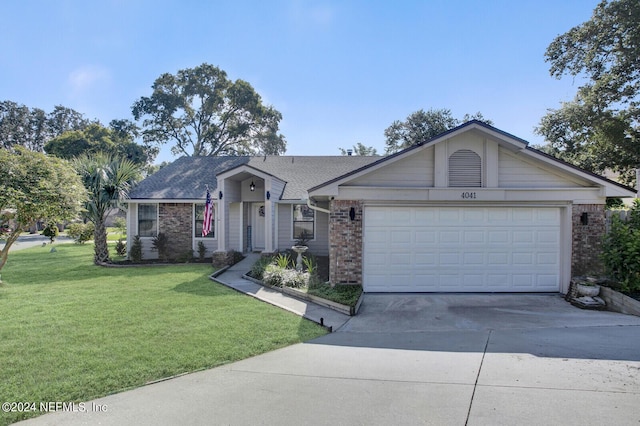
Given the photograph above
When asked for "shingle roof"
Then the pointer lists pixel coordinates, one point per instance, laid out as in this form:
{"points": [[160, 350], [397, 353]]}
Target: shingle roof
{"points": [[187, 177]]}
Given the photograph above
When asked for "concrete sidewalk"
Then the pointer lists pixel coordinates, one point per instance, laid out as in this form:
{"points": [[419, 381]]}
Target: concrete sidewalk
{"points": [[232, 277]]}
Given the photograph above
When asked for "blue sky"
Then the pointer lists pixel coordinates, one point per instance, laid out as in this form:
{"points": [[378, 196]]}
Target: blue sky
{"points": [[340, 72]]}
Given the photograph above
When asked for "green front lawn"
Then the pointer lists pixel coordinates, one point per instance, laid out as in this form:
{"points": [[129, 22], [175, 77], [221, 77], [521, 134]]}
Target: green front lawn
{"points": [[72, 331]]}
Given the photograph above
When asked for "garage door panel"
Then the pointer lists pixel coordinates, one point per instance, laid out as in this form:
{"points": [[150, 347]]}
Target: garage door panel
{"points": [[461, 249], [425, 236], [474, 236], [403, 236], [449, 236]]}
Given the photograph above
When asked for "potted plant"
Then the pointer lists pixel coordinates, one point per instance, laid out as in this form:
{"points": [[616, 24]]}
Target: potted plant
{"points": [[587, 286]]}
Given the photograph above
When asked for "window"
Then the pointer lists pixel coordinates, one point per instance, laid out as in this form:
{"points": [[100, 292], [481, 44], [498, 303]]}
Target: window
{"points": [[147, 220], [199, 218], [465, 169], [303, 222]]}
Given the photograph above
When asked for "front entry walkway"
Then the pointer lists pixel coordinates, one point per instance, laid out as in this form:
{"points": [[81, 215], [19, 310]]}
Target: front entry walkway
{"points": [[232, 278]]}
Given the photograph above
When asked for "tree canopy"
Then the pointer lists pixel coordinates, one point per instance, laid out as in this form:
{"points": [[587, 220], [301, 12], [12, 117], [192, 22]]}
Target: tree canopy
{"points": [[600, 127], [35, 187], [32, 127], [421, 126], [360, 149], [203, 113], [116, 140]]}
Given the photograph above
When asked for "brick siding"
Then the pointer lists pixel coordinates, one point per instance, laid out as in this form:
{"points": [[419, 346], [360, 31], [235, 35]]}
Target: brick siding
{"points": [[345, 242], [587, 239], [176, 222]]}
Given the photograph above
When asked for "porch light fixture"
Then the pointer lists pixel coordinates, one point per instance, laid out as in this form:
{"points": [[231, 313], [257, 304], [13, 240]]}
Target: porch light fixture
{"points": [[252, 187], [352, 213], [268, 195], [219, 195]]}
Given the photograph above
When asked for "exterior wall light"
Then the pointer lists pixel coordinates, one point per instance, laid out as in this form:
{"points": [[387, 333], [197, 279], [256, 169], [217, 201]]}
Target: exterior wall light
{"points": [[252, 187], [352, 213], [584, 218], [219, 195]]}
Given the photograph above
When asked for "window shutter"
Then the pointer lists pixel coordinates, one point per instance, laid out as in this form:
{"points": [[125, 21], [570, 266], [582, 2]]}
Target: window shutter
{"points": [[465, 169]]}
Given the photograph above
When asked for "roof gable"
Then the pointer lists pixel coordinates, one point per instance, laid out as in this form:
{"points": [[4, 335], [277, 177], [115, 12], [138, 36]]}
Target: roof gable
{"points": [[468, 135]]}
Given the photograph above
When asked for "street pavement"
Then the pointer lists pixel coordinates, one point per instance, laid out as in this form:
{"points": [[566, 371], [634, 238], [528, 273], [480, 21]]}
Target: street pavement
{"points": [[411, 359], [32, 240]]}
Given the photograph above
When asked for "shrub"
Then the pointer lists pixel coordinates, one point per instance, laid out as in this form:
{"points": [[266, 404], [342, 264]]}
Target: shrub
{"points": [[310, 265], [136, 249], [234, 257], [257, 270], [121, 247], [81, 233], [621, 250], [51, 231], [283, 260], [160, 244], [276, 276], [202, 250]]}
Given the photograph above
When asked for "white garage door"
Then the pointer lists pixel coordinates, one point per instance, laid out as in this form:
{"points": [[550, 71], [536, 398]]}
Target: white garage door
{"points": [[461, 249]]}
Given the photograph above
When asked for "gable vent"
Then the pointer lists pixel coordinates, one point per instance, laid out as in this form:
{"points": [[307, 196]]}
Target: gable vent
{"points": [[465, 169]]}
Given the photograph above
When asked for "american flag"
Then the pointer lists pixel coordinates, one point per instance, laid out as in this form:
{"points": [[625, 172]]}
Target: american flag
{"points": [[208, 213]]}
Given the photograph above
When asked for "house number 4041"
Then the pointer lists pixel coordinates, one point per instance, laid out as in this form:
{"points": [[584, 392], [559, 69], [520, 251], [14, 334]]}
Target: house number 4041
{"points": [[468, 195]]}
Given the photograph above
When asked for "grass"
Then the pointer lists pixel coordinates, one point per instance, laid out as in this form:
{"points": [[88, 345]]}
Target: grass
{"points": [[344, 294], [72, 331]]}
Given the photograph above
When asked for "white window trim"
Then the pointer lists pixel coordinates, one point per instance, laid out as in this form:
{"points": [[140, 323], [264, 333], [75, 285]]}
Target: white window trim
{"points": [[215, 223], [138, 219], [315, 228]]}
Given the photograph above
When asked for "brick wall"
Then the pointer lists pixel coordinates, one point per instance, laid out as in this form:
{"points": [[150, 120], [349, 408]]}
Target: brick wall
{"points": [[345, 242], [176, 222], [587, 239]]}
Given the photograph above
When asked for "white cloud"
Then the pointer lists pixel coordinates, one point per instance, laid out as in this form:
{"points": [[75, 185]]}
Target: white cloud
{"points": [[303, 14], [87, 77]]}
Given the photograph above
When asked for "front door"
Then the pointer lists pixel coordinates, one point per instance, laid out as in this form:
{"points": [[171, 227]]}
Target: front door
{"points": [[258, 226]]}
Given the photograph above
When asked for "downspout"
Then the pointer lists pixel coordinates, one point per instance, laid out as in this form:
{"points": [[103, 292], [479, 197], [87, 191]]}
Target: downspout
{"points": [[312, 207]]}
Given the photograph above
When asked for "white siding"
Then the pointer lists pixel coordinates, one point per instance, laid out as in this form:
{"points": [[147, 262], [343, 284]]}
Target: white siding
{"points": [[414, 171], [319, 246], [233, 221], [513, 172]]}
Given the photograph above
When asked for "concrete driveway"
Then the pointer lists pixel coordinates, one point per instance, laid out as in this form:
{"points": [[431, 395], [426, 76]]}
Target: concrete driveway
{"points": [[414, 359]]}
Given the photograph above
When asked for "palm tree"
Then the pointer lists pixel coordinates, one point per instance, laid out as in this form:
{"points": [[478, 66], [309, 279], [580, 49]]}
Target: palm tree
{"points": [[108, 181]]}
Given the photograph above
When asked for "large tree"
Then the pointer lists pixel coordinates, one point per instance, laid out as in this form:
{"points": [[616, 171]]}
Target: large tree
{"points": [[33, 128], [35, 187], [600, 127], [421, 126], [201, 112], [108, 181], [22, 126], [116, 140]]}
